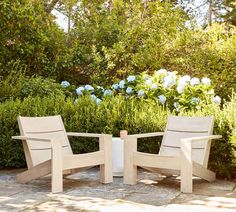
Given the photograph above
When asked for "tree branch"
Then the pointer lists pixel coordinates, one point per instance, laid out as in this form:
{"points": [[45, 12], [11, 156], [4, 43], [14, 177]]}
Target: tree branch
{"points": [[49, 7]]}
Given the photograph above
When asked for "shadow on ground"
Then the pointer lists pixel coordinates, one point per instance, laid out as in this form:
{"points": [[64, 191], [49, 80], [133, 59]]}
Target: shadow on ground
{"points": [[83, 192]]}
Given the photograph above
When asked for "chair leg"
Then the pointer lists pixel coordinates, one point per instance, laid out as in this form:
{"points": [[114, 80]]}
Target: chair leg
{"points": [[130, 170], [203, 172], [186, 184], [186, 167], [57, 172], [35, 172], [105, 143]]}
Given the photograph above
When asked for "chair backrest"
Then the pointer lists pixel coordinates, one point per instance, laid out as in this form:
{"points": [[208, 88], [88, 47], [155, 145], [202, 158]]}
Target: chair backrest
{"points": [[179, 127], [51, 127]]}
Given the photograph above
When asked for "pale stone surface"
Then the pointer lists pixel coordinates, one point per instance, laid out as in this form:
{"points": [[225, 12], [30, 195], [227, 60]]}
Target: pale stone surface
{"points": [[84, 192]]}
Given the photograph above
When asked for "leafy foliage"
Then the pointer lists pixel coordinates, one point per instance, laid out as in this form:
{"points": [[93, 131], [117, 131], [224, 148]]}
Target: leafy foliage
{"points": [[111, 40], [28, 34], [110, 44], [18, 85], [230, 16]]}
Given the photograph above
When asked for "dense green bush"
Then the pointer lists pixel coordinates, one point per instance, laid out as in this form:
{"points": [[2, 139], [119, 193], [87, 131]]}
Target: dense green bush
{"points": [[110, 116], [132, 37], [18, 85], [210, 52], [29, 34]]}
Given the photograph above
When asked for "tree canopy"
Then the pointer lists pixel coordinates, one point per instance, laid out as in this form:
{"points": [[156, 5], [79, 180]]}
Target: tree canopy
{"points": [[108, 40]]}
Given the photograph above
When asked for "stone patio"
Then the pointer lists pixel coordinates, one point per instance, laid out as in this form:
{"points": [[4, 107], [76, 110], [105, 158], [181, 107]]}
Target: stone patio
{"points": [[83, 192]]}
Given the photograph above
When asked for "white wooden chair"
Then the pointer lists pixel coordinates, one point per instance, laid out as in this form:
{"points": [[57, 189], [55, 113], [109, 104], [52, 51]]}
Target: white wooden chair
{"points": [[184, 149], [47, 150]]}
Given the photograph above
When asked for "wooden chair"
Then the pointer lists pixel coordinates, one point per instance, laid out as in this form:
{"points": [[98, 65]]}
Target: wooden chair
{"points": [[47, 150], [185, 149]]}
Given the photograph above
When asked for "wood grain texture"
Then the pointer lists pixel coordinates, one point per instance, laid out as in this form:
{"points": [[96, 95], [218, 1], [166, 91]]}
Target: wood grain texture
{"points": [[184, 149], [105, 145], [130, 169], [47, 150]]}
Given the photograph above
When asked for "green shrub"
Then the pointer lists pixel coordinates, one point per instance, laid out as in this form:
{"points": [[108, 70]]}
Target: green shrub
{"points": [[18, 85], [38, 86], [110, 116], [30, 35]]}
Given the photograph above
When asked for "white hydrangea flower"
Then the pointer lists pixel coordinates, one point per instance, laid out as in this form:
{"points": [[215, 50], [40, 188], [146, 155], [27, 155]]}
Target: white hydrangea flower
{"points": [[88, 87], [146, 77], [153, 86], [168, 81], [115, 86], [129, 90], [161, 71], [65, 84], [148, 82], [131, 78], [184, 80], [194, 100], [176, 105], [194, 81], [180, 88], [98, 101], [80, 90], [206, 81], [107, 92], [217, 100], [140, 93], [162, 99], [172, 73], [93, 97], [122, 84]]}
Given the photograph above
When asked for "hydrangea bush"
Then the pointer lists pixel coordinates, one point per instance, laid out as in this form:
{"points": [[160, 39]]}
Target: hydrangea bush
{"points": [[166, 87]]}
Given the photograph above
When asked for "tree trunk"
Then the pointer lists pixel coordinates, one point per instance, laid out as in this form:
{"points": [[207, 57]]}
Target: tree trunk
{"points": [[210, 13], [49, 7]]}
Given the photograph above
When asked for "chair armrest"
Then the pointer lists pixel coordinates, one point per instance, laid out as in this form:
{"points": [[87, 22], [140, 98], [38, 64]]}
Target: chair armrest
{"points": [[186, 144], [145, 135], [91, 135], [32, 138], [202, 138], [186, 160]]}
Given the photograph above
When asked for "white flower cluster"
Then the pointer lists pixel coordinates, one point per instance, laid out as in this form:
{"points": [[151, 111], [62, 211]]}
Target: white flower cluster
{"points": [[65, 84], [162, 86]]}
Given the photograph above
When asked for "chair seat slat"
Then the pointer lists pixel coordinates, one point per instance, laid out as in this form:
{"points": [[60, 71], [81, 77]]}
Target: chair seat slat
{"points": [[47, 148], [177, 147], [188, 131], [44, 132]]}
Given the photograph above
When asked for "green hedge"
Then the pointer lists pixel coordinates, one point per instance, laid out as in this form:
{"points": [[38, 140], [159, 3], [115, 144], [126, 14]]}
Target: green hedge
{"points": [[110, 116], [18, 85]]}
